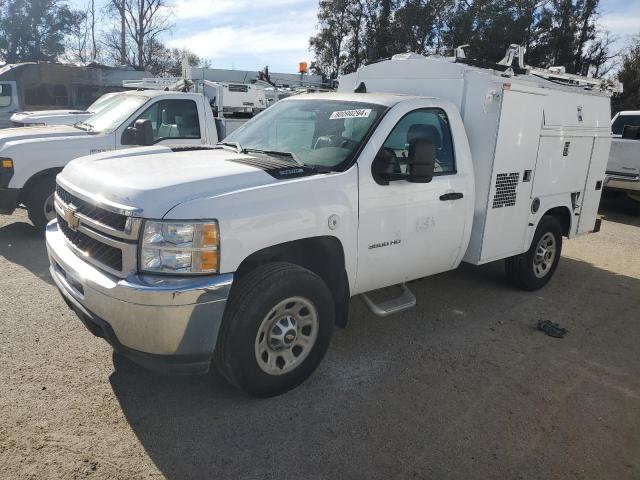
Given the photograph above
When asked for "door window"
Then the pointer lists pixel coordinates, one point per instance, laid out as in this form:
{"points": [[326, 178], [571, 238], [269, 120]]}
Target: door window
{"points": [[5, 94], [173, 119], [429, 124]]}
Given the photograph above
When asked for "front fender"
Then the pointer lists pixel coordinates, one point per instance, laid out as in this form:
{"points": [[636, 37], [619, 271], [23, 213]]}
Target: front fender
{"points": [[256, 218], [30, 157]]}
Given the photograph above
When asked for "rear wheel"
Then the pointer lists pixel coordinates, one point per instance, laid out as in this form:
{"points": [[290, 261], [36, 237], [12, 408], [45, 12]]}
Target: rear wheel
{"points": [[533, 269], [276, 329], [40, 202]]}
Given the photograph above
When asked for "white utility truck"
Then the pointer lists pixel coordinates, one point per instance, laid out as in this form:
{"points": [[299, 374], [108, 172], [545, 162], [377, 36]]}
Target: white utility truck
{"points": [[623, 169], [59, 117], [32, 156], [247, 254]]}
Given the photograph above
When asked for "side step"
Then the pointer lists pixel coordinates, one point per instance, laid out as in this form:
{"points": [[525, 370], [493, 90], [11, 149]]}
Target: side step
{"points": [[405, 301]]}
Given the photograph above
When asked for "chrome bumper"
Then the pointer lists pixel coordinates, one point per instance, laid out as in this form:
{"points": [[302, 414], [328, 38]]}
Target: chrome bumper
{"points": [[152, 315], [622, 182]]}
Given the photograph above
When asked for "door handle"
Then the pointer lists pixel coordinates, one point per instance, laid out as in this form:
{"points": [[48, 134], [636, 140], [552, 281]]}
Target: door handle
{"points": [[451, 196]]}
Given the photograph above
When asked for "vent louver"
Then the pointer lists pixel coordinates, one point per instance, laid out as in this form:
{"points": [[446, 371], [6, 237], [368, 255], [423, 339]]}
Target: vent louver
{"points": [[506, 185]]}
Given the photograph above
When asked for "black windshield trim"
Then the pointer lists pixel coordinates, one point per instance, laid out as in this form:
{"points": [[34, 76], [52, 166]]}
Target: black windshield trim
{"points": [[351, 159]]}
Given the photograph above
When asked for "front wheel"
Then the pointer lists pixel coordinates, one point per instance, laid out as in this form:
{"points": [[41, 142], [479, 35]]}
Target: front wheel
{"points": [[40, 202], [533, 269], [276, 329]]}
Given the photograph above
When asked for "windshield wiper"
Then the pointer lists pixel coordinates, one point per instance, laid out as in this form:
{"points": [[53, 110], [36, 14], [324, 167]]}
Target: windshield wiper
{"points": [[89, 127], [235, 145], [275, 153]]}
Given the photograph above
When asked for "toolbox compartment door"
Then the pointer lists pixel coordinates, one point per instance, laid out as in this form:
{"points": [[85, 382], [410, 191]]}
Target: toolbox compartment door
{"points": [[594, 184], [512, 178]]}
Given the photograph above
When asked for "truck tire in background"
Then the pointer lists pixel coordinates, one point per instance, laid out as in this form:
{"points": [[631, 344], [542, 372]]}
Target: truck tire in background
{"points": [[40, 202], [276, 329], [634, 203], [533, 269]]}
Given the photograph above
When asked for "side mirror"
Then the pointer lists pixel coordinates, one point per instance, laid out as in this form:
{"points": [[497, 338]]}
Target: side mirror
{"points": [[385, 167], [631, 132], [141, 133], [422, 161]]}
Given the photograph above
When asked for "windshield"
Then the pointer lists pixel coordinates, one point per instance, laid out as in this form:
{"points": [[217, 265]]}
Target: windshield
{"points": [[318, 132], [115, 112], [101, 102]]}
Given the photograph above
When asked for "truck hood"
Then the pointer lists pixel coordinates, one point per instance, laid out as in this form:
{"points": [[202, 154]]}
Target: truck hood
{"points": [[38, 133], [156, 179], [47, 113]]}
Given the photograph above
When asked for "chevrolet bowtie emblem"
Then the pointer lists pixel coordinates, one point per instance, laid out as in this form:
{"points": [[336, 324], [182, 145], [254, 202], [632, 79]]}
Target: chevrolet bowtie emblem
{"points": [[70, 217]]}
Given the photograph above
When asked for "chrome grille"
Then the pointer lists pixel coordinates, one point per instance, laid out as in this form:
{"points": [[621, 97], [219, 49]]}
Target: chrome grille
{"points": [[97, 214], [101, 233], [107, 255]]}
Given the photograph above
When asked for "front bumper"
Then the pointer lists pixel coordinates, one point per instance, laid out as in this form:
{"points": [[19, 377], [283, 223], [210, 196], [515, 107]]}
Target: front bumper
{"points": [[622, 181], [8, 200], [164, 323]]}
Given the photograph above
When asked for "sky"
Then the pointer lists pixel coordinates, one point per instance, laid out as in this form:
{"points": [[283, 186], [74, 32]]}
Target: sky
{"points": [[247, 35]]}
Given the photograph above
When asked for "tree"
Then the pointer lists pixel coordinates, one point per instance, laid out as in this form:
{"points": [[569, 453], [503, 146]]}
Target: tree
{"points": [[145, 20], [82, 45], [330, 42], [554, 32], [629, 75], [135, 41], [35, 30], [168, 61]]}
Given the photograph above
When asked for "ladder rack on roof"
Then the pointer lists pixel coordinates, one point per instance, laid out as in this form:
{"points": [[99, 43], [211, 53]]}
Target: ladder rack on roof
{"points": [[554, 74], [156, 83], [575, 80]]}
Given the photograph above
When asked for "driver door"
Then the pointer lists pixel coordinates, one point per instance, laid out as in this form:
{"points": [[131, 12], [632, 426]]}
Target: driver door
{"points": [[410, 230]]}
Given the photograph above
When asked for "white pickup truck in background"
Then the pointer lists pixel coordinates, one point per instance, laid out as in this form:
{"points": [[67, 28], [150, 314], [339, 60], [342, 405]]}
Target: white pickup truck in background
{"points": [[247, 254], [32, 156], [59, 117], [623, 169]]}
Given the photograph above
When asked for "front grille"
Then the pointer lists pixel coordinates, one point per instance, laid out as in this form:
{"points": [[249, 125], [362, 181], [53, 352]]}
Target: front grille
{"points": [[100, 215], [98, 251]]}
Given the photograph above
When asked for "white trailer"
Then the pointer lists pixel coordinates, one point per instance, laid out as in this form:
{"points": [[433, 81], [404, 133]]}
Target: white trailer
{"points": [[247, 254]]}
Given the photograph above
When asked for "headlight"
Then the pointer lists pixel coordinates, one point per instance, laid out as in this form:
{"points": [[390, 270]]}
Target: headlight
{"points": [[171, 247]]}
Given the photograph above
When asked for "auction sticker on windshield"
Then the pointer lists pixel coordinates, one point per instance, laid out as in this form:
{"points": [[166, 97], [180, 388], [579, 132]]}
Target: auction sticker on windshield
{"points": [[359, 113]]}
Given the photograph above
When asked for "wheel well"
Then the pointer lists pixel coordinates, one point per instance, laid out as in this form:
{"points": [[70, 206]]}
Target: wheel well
{"points": [[322, 255], [563, 216], [34, 180]]}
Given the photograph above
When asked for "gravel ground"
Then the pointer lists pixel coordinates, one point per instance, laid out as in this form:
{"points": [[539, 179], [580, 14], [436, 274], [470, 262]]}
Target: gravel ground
{"points": [[461, 387]]}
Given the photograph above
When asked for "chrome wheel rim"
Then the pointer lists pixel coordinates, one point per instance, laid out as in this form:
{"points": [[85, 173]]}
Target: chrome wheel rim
{"points": [[286, 336], [545, 255], [49, 208]]}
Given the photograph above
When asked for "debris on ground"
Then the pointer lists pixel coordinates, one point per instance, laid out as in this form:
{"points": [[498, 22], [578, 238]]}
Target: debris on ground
{"points": [[551, 329]]}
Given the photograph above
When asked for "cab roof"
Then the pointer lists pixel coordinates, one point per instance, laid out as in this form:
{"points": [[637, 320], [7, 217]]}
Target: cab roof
{"points": [[386, 99]]}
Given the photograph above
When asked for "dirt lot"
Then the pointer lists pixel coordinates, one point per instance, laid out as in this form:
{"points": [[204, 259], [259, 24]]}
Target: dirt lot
{"points": [[461, 387]]}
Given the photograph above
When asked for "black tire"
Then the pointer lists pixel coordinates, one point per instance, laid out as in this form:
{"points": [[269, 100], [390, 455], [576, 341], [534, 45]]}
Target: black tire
{"points": [[520, 269], [36, 200], [634, 206], [252, 298]]}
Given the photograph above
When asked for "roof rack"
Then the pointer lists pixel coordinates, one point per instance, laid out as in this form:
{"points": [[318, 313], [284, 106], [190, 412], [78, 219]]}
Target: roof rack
{"points": [[552, 74]]}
